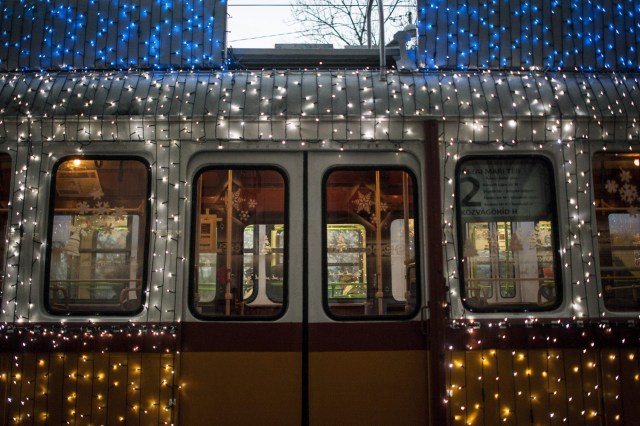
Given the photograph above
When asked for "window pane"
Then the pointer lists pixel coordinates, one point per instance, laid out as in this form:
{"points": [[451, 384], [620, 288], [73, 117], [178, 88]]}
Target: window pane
{"points": [[370, 269], [239, 243], [508, 226], [616, 178], [98, 236]]}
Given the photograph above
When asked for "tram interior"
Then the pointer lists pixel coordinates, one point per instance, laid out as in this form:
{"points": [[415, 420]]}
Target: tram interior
{"points": [[98, 229], [368, 270], [616, 176]]}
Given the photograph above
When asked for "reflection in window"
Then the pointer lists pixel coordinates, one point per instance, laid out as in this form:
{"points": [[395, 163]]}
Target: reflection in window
{"points": [[96, 261], [347, 261], [263, 250], [506, 212], [370, 264], [239, 261], [616, 178]]}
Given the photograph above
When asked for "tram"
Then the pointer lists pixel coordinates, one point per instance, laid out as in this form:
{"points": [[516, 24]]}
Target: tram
{"points": [[183, 279], [321, 246]]}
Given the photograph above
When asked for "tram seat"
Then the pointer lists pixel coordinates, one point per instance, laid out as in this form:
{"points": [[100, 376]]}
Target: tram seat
{"points": [[477, 296], [56, 301], [130, 296]]}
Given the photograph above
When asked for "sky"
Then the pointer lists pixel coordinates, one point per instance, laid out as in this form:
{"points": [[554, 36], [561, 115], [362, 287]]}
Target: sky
{"points": [[260, 23]]}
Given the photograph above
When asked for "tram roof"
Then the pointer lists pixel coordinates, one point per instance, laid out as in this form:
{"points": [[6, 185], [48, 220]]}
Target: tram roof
{"points": [[308, 104]]}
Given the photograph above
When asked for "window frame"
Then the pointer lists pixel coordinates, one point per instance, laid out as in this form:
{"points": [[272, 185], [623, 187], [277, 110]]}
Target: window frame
{"points": [[191, 283], [554, 219], [145, 233], [416, 210]]}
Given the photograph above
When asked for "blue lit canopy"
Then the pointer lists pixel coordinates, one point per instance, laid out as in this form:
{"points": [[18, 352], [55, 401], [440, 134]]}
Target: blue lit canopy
{"points": [[111, 34], [588, 35], [524, 34]]}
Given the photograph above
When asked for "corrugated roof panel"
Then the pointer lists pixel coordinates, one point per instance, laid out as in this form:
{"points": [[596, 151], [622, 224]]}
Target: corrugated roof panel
{"points": [[339, 105]]}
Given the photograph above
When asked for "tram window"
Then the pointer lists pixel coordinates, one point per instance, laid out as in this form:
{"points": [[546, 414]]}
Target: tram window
{"points": [[370, 261], [5, 191], [616, 177], [239, 243], [96, 262], [508, 234]]}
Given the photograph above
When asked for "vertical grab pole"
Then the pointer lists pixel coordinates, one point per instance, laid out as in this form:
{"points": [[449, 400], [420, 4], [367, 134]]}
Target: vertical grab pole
{"points": [[379, 289], [228, 225], [405, 222]]}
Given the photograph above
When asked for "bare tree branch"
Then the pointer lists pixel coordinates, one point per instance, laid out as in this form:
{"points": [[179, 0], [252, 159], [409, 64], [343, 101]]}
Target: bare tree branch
{"points": [[343, 22]]}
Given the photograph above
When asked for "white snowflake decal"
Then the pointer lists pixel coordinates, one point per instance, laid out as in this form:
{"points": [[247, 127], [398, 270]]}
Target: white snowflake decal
{"points": [[252, 203], [628, 193], [363, 203], [83, 207], [625, 175], [384, 206], [119, 212], [244, 216], [102, 208], [237, 199], [97, 194], [611, 186]]}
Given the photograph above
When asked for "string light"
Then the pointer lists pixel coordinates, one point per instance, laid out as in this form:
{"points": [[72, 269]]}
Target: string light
{"points": [[512, 104]]}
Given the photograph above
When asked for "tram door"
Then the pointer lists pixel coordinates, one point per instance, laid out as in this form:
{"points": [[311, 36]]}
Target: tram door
{"points": [[367, 358], [304, 290]]}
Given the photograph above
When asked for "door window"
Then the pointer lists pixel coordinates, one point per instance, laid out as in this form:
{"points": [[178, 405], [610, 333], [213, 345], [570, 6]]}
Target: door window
{"points": [[239, 245], [370, 250]]}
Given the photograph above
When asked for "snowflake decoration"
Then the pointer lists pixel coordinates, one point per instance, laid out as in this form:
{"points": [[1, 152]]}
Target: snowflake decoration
{"points": [[97, 194], [252, 203], [83, 207], [244, 215], [237, 200], [102, 208], [625, 175], [611, 186], [628, 193], [363, 203], [384, 206], [107, 228], [119, 212]]}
